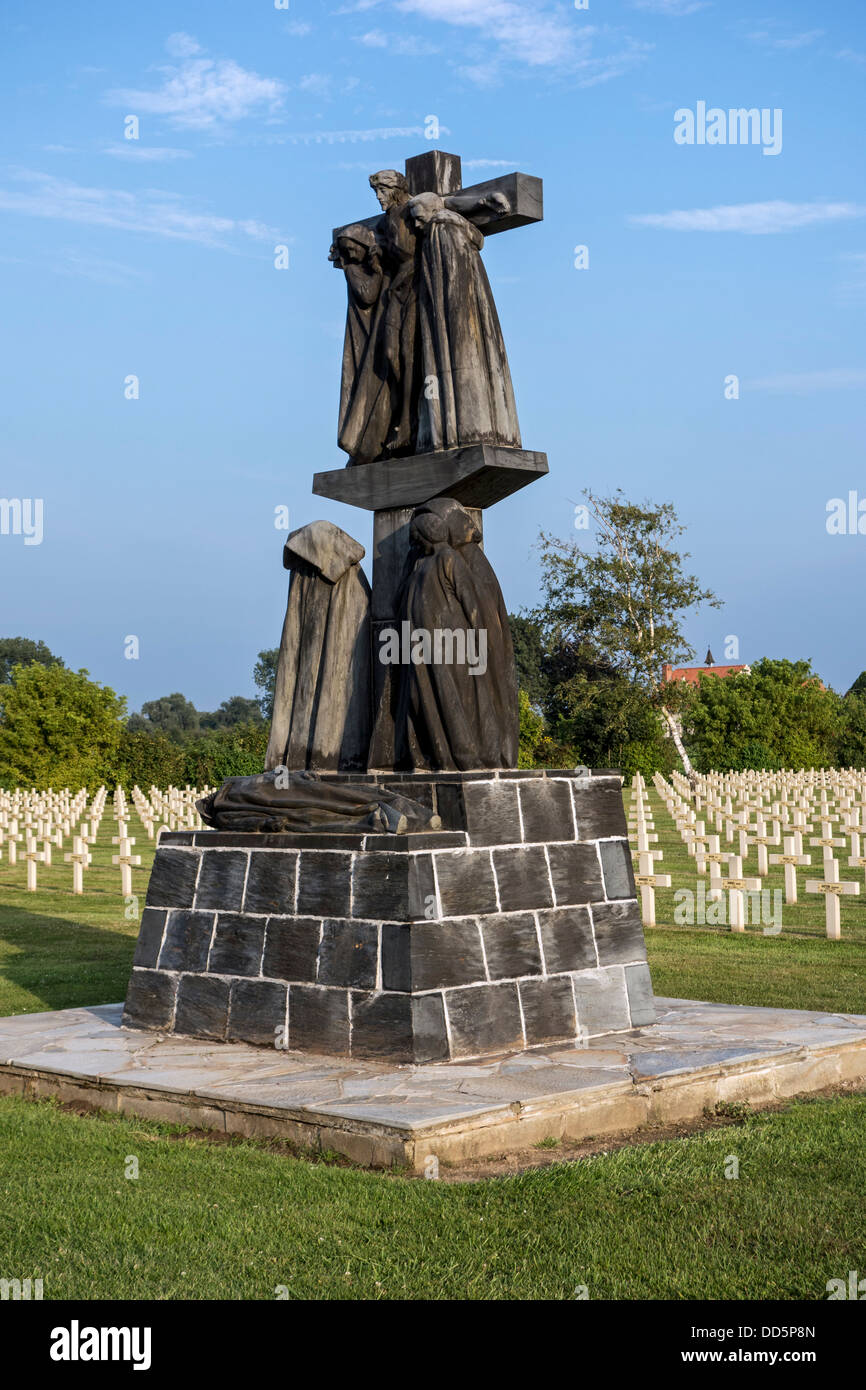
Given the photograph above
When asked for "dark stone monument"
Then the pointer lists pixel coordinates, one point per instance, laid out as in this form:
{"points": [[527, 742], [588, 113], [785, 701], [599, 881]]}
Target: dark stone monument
{"points": [[392, 886]]}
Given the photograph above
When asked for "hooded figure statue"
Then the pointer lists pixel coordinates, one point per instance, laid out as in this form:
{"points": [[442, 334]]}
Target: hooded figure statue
{"points": [[453, 702]]}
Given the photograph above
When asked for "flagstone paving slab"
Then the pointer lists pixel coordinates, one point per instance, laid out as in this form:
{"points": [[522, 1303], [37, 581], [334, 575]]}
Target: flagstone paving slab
{"points": [[382, 1114]]}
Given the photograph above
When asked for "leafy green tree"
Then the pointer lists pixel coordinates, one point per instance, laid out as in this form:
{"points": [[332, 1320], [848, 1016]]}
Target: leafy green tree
{"points": [[859, 686], [237, 710], [852, 742], [778, 715], [174, 715], [615, 617], [58, 728], [529, 657], [149, 759], [22, 651], [238, 751], [265, 677]]}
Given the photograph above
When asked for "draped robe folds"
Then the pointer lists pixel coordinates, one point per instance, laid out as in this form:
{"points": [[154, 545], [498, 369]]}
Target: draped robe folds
{"points": [[322, 694], [381, 396], [299, 801], [364, 288], [445, 717], [468, 396]]}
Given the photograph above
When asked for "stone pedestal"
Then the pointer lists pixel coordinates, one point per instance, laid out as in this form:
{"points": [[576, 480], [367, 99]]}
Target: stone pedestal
{"points": [[476, 476], [515, 926]]}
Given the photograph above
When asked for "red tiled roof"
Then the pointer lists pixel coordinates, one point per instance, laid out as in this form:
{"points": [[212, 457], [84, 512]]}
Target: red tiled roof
{"points": [[692, 674]]}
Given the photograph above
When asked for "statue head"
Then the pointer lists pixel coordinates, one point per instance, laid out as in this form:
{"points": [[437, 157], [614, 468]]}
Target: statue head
{"points": [[353, 245], [390, 187], [427, 531], [460, 529], [424, 208]]}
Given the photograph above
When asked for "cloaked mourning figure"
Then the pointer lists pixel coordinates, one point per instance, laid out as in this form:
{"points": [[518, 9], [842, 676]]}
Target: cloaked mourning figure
{"points": [[424, 361], [322, 703], [471, 400], [453, 704], [322, 707], [378, 417], [356, 253]]}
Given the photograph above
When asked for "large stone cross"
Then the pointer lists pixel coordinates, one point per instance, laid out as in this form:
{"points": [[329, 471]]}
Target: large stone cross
{"points": [[438, 172], [476, 475]]}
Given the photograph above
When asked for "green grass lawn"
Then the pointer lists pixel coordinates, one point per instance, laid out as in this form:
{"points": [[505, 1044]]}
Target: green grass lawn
{"points": [[59, 951], [208, 1220], [235, 1221]]}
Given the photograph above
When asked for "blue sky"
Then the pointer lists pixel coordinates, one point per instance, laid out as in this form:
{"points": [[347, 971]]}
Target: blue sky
{"points": [[257, 127]]}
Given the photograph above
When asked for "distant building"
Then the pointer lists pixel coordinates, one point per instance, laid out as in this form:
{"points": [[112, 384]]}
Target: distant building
{"points": [[692, 674]]}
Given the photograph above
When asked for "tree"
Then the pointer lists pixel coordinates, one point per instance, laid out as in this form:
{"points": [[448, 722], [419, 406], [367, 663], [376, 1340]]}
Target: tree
{"points": [[23, 651], [149, 759], [238, 751], [236, 710], [265, 677], [852, 743], [529, 655], [617, 613], [859, 686], [58, 728], [174, 715], [777, 715]]}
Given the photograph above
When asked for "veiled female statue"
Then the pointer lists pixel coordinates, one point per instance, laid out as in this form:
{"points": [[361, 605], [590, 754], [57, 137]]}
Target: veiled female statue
{"points": [[468, 396], [450, 714], [378, 418]]}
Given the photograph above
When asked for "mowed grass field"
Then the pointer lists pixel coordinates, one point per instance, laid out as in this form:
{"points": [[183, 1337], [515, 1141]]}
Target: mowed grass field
{"points": [[240, 1220], [796, 969]]}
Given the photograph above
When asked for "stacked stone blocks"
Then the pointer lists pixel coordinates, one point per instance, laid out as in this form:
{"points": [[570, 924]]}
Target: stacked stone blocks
{"points": [[516, 926]]}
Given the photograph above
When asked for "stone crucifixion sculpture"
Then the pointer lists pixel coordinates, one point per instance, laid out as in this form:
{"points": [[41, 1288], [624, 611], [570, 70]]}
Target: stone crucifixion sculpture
{"points": [[424, 361]]}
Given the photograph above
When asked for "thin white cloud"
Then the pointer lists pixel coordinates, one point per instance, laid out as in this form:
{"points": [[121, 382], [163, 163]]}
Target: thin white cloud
{"points": [[533, 34], [146, 154], [756, 219], [799, 40], [151, 211], [81, 264], [850, 55], [182, 45], [672, 8], [771, 39], [404, 45], [804, 383], [514, 35], [298, 28], [490, 163], [200, 93], [105, 272], [318, 84], [353, 137]]}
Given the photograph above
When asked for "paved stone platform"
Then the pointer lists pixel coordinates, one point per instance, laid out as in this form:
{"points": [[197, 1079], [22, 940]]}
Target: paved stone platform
{"points": [[383, 1114]]}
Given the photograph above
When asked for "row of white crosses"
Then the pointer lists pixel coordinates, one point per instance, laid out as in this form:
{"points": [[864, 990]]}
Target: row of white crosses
{"points": [[642, 832], [175, 807], [29, 817], [124, 858], [34, 823], [786, 806]]}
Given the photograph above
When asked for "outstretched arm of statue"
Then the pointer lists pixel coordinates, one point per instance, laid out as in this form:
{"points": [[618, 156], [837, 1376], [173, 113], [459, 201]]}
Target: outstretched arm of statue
{"points": [[487, 208]]}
